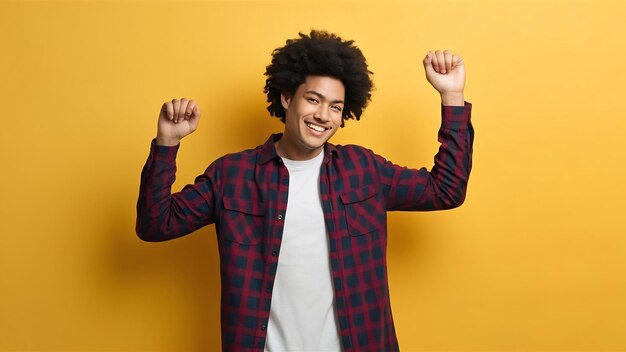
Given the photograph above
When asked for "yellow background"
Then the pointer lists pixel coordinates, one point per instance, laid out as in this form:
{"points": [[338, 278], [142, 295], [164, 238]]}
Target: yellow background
{"points": [[534, 260]]}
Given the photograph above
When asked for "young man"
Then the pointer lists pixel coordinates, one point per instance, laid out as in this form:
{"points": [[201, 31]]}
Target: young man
{"points": [[301, 223]]}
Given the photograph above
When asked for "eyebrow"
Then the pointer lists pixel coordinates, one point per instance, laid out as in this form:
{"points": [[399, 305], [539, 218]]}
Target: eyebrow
{"points": [[321, 96]]}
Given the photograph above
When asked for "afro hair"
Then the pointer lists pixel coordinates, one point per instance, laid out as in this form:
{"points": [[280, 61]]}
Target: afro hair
{"points": [[324, 54]]}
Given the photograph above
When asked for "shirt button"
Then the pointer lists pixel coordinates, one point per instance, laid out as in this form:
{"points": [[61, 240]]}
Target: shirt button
{"points": [[280, 216], [268, 289], [263, 327], [274, 253]]}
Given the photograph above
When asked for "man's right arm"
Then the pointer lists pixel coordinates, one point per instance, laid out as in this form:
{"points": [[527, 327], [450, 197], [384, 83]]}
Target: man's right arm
{"points": [[161, 215]]}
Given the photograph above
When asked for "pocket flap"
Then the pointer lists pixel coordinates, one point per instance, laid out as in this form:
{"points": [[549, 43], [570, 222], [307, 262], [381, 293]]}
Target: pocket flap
{"points": [[358, 195], [244, 206]]}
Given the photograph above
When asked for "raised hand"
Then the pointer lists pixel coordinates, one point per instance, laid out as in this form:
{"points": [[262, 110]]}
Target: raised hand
{"points": [[177, 119], [446, 73]]}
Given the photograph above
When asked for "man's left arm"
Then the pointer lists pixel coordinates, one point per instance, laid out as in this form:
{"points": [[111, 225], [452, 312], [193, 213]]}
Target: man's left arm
{"points": [[444, 186]]}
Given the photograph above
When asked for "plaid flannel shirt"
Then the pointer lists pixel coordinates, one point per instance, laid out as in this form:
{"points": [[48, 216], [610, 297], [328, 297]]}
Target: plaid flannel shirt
{"points": [[245, 195]]}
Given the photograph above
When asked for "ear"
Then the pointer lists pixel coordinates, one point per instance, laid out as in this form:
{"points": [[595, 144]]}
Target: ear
{"points": [[285, 99]]}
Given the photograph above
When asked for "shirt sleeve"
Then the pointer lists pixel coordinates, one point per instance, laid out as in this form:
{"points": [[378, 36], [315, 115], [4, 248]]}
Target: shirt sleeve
{"points": [[163, 216], [444, 186]]}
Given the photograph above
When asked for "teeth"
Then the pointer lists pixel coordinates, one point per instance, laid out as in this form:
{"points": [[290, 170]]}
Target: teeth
{"points": [[316, 127]]}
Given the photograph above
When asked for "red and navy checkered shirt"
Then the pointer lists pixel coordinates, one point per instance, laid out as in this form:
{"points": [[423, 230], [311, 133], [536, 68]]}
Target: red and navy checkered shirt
{"points": [[245, 195]]}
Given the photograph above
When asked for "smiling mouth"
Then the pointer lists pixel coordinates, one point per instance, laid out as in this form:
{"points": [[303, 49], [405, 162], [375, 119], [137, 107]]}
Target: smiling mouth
{"points": [[315, 127]]}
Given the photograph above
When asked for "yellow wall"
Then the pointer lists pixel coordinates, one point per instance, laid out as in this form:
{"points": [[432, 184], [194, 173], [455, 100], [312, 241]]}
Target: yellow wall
{"points": [[534, 260]]}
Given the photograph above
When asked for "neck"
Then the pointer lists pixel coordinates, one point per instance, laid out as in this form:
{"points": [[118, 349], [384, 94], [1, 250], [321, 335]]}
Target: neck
{"points": [[284, 150]]}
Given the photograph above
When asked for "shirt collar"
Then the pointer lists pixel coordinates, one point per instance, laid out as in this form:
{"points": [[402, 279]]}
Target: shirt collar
{"points": [[268, 151]]}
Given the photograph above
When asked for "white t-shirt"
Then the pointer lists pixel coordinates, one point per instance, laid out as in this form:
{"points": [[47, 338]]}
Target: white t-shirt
{"points": [[302, 313]]}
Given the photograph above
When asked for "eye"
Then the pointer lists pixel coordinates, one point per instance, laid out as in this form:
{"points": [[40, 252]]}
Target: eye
{"points": [[312, 100], [336, 108]]}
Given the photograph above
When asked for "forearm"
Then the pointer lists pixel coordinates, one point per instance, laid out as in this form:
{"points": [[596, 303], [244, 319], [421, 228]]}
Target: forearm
{"points": [[157, 177], [453, 163]]}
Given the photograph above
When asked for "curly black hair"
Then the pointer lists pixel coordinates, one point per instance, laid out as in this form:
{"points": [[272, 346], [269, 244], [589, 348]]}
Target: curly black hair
{"points": [[320, 53]]}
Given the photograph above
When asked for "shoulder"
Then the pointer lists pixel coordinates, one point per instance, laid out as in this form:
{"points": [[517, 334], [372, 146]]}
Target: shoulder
{"points": [[242, 156], [231, 162], [353, 150], [352, 155]]}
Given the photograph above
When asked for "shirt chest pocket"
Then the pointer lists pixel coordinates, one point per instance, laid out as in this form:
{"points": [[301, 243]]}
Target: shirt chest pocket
{"points": [[242, 221], [363, 211]]}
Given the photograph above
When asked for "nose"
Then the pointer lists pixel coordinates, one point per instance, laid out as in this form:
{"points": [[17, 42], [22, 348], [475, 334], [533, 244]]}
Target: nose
{"points": [[321, 113]]}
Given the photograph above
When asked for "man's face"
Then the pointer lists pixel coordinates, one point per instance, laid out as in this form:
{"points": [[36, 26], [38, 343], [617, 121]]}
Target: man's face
{"points": [[312, 116]]}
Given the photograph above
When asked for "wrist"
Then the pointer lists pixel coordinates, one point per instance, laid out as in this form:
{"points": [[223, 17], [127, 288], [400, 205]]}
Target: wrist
{"points": [[167, 141], [453, 99]]}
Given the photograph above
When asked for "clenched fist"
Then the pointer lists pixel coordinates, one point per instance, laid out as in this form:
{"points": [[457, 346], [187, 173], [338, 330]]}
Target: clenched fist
{"points": [[177, 119], [446, 72]]}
